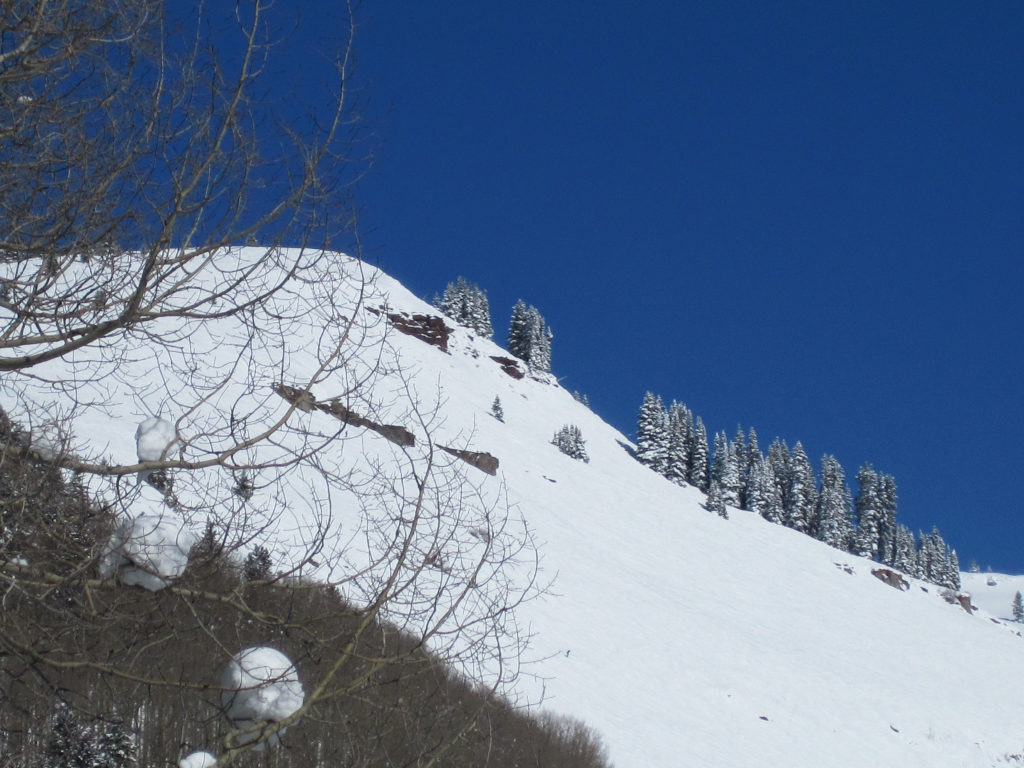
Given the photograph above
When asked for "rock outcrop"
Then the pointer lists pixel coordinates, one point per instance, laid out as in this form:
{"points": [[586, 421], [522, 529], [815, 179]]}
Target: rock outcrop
{"points": [[393, 432], [956, 598], [485, 462], [429, 328], [306, 401], [510, 366], [892, 578]]}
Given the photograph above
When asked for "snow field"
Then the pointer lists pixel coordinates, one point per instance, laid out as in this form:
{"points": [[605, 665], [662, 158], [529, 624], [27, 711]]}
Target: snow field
{"points": [[683, 639]]}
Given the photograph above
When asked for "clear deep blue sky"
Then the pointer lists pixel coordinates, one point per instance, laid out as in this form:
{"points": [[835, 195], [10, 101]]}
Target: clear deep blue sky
{"points": [[806, 217]]}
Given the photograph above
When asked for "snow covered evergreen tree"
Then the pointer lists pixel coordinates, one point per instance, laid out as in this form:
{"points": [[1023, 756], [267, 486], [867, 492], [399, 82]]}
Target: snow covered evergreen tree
{"points": [[886, 496], [467, 304], [540, 345], [740, 460], [868, 513], [529, 337], [739, 449], [724, 471], [780, 466], [699, 456], [680, 427], [937, 563], [496, 410], [832, 512], [753, 449], [763, 493], [115, 748], [719, 460], [802, 497], [905, 553], [480, 317], [569, 440], [1018, 607], [952, 570], [581, 398], [518, 329], [258, 564], [715, 501], [70, 744], [652, 435], [752, 457], [927, 557]]}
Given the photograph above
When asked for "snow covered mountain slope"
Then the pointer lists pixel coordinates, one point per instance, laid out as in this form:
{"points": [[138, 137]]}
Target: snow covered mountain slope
{"points": [[993, 592], [683, 638]]}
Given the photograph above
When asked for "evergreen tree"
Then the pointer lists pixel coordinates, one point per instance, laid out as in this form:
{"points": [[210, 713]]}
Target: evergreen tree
{"points": [[723, 471], [529, 337], [569, 440], [581, 399], [753, 456], [780, 464], [754, 492], [496, 410], [739, 459], [763, 494], [886, 496], [739, 451], [540, 356], [680, 427], [481, 314], [210, 546], [715, 501], [518, 330], [952, 570], [905, 554], [652, 436], [258, 564], [699, 456], [753, 449], [832, 512], [718, 460], [937, 563], [115, 748], [868, 513], [467, 304], [454, 301], [1018, 607], [802, 497], [70, 743], [927, 557]]}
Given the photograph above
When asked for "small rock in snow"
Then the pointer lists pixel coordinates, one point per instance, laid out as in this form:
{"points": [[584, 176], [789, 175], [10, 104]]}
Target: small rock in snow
{"points": [[260, 684]]}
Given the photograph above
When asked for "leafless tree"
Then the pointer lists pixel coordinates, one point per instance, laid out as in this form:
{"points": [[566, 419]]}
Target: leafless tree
{"points": [[135, 156]]}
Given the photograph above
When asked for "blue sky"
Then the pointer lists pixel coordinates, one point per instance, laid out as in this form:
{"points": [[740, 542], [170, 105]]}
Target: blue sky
{"points": [[802, 217]]}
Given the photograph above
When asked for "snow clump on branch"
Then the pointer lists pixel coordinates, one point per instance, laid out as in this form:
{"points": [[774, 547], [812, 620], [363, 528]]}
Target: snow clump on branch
{"points": [[154, 439], [149, 550], [197, 760], [260, 685]]}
